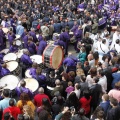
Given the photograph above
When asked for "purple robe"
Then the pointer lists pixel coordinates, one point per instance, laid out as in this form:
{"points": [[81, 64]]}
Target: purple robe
{"points": [[11, 38], [74, 28], [25, 40], [4, 71], [2, 38], [40, 38], [31, 33], [32, 71], [13, 48], [32, 48], [41, 47]]}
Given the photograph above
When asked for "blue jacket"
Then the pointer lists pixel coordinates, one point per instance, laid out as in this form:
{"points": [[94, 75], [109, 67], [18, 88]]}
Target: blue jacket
{"points": [[82, 57]]}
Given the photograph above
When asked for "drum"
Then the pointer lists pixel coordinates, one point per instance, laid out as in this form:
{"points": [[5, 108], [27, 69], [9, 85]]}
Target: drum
{"points": [[18, 43], [5, 30], [5, 51], [32, 84], [10, 81], [10, 57], [27, 74], [17, 37], [14, 67], [55, 35], [50, 42], [53, 56], [102, 23]]}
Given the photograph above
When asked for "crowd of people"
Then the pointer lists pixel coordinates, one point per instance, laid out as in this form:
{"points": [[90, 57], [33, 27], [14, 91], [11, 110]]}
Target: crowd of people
{"points": [[83, 87]]}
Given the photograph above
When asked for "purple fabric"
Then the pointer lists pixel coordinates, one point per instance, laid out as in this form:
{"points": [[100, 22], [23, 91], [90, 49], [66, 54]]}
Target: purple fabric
{"points": [[4, 72], [69, 89], [74, 28], [11, 38], [25, 90], [26, 59], [33, 35], [32, 48], [2, 36], [13, 48], [40, 38], [25, 39], [32, 71], [41, 47]]}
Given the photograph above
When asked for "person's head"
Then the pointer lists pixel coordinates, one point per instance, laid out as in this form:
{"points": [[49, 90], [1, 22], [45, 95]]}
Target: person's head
{"points": [[117, 85], [100, 115], [100, 73], [70, 83], [83, 49], [41, 90], [86, 63], [6, 92], [52, 74], [57, 82], [45, 102], [27, 110], [11, 102], [113, 102], [105, 97], [96, 55], [38, 71], [7, 116], [105, 58], [77, 86], [66, 116], [24, 97], [34, 65], [83, 78], [90, 57], [64, 76], [95, 79], [72, 97], [80, 72], [104, 65], [93, 71], [86, 94], [81, 112], [71, 74], [104, 41], [22, 83], [43, 115]]}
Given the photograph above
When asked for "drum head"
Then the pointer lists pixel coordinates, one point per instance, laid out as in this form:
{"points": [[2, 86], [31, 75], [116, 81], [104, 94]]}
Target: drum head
{"points": [[36, 58], [18, 42], [12, 65], [20, 53], [5, 51], [27, 74], [10, 57], [5, 30], [11, 81], [32, 84]]}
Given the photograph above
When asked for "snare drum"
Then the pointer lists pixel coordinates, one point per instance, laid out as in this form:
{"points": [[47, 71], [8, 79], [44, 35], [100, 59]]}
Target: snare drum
{"points": [[51, 42], [53, 56], [14, 67], [5, 51], [11, 80], [27, 74], [10, 57], [32, 84], [5, 30]]}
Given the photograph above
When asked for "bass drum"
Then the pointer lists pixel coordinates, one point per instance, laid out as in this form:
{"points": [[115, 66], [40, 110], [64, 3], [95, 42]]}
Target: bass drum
{"points": [[53, 56]]}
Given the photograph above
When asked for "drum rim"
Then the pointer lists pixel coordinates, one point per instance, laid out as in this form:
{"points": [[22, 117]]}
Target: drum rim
{"points": [[25, 73], [56, 46]]}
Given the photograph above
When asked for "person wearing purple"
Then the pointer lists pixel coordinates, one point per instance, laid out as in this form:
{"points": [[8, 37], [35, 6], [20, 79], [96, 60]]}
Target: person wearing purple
{"points": [[42, 46], [25, 40], [2, 39], [65, 37], [40, 37], [40, 78], [25, 62], [78, 37], [11, 37], [31, 46], [33, 69], [33, 34], [4, 70], [70, 63], [13, 48], [75, 27], [22, 89]]}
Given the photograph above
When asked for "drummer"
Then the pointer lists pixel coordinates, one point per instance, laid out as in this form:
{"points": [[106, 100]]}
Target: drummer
{"points": [[4, 70], [11, 37], [33, 69], [42, 46], [13, 48], [22, 89], [25, 61]]}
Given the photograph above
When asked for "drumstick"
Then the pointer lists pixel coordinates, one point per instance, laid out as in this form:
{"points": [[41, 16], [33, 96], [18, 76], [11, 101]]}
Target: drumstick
{"points": [[2, 88]]}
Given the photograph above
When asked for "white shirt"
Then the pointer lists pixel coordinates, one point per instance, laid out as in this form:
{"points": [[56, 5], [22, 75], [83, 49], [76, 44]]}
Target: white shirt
{"points": [[89, 80], [77, 92], [103, 83], [3, 23]]}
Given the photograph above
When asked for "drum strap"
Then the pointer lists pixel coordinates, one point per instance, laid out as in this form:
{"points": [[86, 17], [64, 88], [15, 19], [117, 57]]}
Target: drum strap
{"points": [[101, 48]]}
